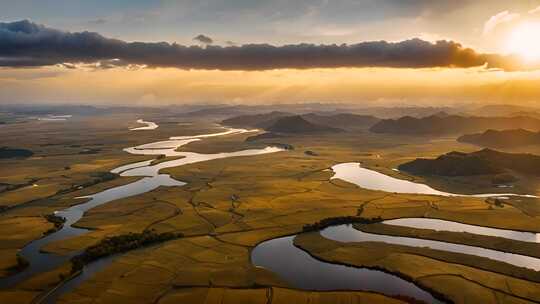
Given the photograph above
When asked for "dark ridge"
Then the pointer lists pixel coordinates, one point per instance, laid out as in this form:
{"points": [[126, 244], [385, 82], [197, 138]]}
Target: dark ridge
{"points": [[297, 124], [256, 120], [483, 162], [344, 121], [266, 135], [452, 124], [502, 139]]}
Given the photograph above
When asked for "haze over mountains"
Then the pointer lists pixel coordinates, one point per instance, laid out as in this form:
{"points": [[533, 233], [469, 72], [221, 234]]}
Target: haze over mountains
{"points": [[298, 124], [283, 122], [452, 124]]}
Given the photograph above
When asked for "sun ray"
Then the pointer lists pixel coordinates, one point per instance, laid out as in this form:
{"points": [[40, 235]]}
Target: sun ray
{"points": [[524, 41]]}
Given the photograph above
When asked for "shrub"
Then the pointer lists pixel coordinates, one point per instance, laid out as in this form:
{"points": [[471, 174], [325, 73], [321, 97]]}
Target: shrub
{"points": [[119, 244]]}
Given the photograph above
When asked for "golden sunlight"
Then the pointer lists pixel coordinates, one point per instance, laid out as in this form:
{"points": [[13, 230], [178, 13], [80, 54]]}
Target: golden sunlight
{"points": [[524, 41]]}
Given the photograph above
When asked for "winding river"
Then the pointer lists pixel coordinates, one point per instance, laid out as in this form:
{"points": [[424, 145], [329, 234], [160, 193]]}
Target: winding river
{"points": [[347, 233], [444, 225], [280, 255], [373, 180], [149, 125], [303, 271], [300, 270], [150, 180]]}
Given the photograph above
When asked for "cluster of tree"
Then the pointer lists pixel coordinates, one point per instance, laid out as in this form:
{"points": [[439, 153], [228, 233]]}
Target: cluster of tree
{"points": [[282, 146], [99, 177], [119, 244], [4, 208], [22, 263], [332, 221], [4, 187], [58, 222]]}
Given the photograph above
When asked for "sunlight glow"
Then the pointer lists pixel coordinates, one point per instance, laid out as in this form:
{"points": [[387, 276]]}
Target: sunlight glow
{"points": [[524, 41]]}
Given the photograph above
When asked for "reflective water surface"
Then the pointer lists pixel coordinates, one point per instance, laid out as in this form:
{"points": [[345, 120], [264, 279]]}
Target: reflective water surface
{"points": [[149, 125], [443, 225], [373, 180], [301, 270], [150, 180], [347, 233]]}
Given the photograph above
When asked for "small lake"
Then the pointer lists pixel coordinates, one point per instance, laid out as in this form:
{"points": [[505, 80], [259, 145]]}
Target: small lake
{"points": [[444, 225], [347, 234], [373, 180], [300, 270]]}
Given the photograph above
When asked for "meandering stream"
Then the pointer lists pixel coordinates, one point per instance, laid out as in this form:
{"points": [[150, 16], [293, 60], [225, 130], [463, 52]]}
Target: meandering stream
{"points": [[443, 225], [347, 233], [303, 271], [150, 180], [373, 180], [149, 125], [300, 270], [292, 264]]}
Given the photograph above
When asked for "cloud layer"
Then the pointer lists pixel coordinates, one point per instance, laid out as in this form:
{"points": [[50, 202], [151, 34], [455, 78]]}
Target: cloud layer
{"points": [[203, 39], [24, 44]]}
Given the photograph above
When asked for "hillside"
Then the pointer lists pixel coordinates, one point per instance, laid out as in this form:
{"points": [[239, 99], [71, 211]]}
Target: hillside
{"points": [[297, 124], [481, 162], [255, 120], [452, 124], [504, 138], [343, 121]]}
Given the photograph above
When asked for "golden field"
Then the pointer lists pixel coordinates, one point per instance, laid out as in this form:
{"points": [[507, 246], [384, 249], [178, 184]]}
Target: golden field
{"points": [[274, 195]]}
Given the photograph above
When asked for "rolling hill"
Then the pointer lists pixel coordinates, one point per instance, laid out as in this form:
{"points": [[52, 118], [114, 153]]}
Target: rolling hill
{"points": [[343, 121], [481, 162], [297, 124], [452, 124], [255, 120], [502, 139]]}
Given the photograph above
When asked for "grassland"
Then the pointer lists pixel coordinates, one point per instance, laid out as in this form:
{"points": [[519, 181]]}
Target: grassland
{"points": [[231, 205]]}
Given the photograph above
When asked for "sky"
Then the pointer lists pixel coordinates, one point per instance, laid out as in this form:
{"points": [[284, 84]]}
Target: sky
{"points": [[275, 51]]}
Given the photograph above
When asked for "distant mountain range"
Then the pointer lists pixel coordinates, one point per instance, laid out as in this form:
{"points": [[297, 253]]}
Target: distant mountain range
{"points": [[481, 162], [298, 124], [502, 139], [276, 120], [505, 110], [261, 121], [80, 110], [452, 124], [344, 121]]}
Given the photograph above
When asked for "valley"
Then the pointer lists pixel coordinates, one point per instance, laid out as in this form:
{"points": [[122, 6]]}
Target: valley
{"points": [[229, 203]]}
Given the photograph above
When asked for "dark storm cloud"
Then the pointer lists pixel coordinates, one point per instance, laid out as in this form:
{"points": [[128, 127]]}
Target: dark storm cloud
{"points": [[203, 39], [25, 43]]}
